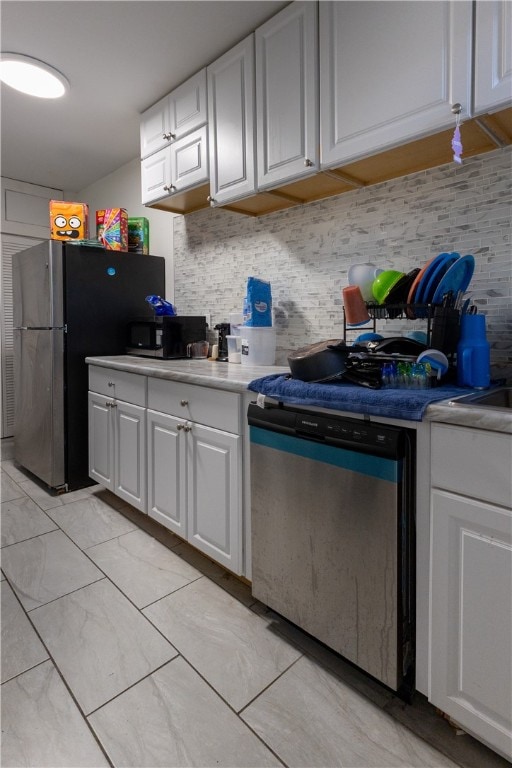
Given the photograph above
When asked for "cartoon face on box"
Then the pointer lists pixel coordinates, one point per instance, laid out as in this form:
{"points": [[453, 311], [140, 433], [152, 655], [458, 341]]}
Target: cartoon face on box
{"points": [[68, 221]]}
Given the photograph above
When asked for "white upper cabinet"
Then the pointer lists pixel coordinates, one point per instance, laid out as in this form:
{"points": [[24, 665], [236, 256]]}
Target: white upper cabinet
{"points": [[287, 95], [493, 56], [155, 128], [188, 105], [155, 176], [231, 124], [390, 72], [174, 116], [182, 165], [189, 160]]}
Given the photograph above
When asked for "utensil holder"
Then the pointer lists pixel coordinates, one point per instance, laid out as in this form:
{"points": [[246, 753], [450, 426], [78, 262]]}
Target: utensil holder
{"points": [[445, 330]]}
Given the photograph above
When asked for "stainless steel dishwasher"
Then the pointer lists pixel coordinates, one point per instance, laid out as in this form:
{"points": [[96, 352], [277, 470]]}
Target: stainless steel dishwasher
{"points": [[333, 533]]}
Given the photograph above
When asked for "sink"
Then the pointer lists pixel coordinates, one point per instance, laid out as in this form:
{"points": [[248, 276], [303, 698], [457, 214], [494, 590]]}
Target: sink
{"points": [[500, 398]]}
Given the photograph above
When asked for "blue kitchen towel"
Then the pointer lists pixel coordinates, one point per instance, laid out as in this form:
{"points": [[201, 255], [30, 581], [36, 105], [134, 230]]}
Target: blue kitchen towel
{"points": [[393, 403]]}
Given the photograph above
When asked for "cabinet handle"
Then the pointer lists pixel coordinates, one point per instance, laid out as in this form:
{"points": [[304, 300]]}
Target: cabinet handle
{"points": [[456, 109], [168, 136], [169, 187], [111, 404], [210, 199], [111, 384], [180, 427], [187, 428], [183, 402], [308, 163]]}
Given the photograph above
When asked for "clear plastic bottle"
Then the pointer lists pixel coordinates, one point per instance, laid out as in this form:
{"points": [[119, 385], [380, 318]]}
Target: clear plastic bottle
{"points": [[388, 375], [418, 376], [403, 375], [246, 312]]}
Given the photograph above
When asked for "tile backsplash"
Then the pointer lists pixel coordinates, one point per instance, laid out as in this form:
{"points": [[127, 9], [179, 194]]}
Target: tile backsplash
{"points": [[305, 251]]}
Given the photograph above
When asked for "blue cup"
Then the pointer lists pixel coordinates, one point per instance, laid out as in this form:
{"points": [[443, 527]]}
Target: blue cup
{"points": [[473, 353]]}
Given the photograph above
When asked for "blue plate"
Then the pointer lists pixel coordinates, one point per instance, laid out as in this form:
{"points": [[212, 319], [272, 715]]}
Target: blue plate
{"points": [[457, 278], [437, 277], [432, 275], [426, 276]]}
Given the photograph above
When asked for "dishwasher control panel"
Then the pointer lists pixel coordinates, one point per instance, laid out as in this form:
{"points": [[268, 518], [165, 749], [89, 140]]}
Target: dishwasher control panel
{"points": [[341, 431]]}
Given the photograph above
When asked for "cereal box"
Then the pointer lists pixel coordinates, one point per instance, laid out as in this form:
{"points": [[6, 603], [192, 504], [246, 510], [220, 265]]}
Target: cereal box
{"points": [[112, 228], [138, 235], [68, 221]]}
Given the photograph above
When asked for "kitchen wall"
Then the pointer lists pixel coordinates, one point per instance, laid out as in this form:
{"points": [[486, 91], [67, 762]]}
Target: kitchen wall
{"points": [[305, 251]]}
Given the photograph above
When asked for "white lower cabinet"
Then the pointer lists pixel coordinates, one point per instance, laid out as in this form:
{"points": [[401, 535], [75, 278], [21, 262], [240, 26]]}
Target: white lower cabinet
{"points": [[175, 451], [117, 447], [167, 479], [471, 580], [195, 470]]}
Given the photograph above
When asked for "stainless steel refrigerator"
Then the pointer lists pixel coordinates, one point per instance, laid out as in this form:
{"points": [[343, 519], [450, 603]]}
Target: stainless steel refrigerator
{"points": [[70, 301]]}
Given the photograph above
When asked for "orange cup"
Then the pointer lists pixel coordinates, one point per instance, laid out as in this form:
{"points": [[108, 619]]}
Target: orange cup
{"points": [[355, 308]]}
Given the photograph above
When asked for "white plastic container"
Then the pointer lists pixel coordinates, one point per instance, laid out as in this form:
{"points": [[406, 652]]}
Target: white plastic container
{"points": [[258, 346], [235, 321], [234, 345]]}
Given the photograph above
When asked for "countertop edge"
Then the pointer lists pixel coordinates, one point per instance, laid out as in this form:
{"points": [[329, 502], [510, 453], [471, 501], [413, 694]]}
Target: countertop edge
{"points": [[469, 416], [219, 375]]}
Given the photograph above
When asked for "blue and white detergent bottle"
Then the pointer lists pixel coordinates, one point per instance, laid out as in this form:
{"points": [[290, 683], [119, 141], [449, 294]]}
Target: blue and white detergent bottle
{"points": [[257, 310]]}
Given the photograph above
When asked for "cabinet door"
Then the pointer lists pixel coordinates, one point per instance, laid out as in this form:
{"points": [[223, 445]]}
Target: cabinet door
{"points": [[130, 453], [231, 124], [287, 95], [187, 105], [189, 160], [101, 440], [167, 472], [471, 646], [389, 73], [155, 128], [215, 494], [156, 176], [493, 55]]}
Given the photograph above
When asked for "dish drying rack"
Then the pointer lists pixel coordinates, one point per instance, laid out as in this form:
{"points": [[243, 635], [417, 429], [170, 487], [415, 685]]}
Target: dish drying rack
{"points": [[442, 323], [392, 312]]}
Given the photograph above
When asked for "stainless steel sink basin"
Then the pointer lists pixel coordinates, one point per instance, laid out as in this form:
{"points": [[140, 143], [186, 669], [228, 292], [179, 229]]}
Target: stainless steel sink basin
{"points": [[500, 398]]}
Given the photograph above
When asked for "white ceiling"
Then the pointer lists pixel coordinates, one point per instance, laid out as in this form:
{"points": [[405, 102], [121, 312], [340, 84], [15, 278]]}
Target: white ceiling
{"points": [[120, 57]]}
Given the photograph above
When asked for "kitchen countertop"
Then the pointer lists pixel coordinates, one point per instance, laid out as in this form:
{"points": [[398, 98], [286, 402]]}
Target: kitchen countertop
{"points": [[492, 419], [235, 378], [232, 377]]}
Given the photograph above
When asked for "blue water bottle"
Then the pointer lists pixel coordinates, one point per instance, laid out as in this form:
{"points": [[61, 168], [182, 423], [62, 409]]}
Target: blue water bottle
{"points": [[473, 353]]}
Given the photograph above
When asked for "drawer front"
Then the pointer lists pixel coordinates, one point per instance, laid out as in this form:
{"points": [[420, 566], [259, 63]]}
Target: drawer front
{"points": [[121, 385], [203, 405], [472, 462]]}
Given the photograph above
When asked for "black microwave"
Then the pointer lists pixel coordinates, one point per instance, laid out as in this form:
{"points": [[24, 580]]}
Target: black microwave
{"points": [[164, 337]]}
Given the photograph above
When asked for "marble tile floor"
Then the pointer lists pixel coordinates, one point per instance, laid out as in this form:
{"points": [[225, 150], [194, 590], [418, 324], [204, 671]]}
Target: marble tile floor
{"points": [[124, 646]]}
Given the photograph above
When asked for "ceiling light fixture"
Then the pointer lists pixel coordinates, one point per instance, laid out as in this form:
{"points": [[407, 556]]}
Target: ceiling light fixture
{"points": [[31, 76]]}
